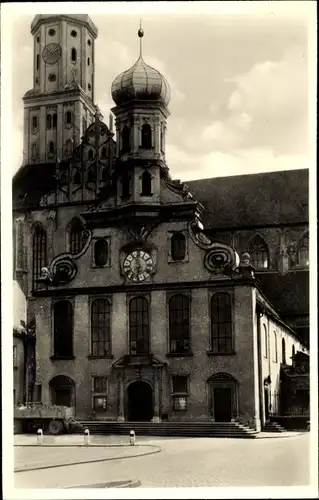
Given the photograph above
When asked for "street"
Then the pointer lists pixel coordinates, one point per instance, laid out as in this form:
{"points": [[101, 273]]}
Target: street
{"points": [[182, 462]]}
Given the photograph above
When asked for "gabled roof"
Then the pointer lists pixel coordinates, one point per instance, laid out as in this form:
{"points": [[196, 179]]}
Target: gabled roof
{"points": [[253, 200], [289, 293]]}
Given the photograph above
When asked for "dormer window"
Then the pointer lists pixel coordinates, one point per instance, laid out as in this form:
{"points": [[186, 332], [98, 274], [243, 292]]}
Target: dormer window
{"points": [[146, 184], [125, 139], [146, 136]]}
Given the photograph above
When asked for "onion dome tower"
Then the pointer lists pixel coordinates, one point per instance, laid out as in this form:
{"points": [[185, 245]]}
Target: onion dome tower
{"points": [[141, 95]]}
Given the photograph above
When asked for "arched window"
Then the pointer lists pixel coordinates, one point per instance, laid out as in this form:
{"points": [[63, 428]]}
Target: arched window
{"points": [[103, 153], [275, 357], [101, 251], [139, 326], [104, 175], [146, 184], [162, 138], [293, 350], [63, 329], [178, 246], [259, 253], [49, 122], [126, 139], [84, 125], [34, 151], [76, 237], [55, 120], [146, 136], [265, 342], [90, 154], [221, 323], [68, 147], [283, 351], [100, 328], [77, 179], [68, 117], [92, 175], [34, 123], [303, 252], [51, 148], [179, 332], [73, 55], [39, 248], [126, 183]]}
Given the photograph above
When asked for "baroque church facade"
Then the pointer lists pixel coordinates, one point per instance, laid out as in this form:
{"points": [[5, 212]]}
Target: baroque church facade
{"points": [[141, 298]]}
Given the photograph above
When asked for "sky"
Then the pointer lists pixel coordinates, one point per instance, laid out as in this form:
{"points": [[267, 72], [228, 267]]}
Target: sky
{"points": [[239, 80]]}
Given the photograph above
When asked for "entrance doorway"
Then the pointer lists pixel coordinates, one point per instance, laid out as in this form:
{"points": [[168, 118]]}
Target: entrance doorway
{"points": [[266, 405], [62, 391], [139, 402], [222, 404]]}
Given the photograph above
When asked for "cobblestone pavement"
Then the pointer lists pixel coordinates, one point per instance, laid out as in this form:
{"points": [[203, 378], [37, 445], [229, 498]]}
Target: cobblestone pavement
{"points": [[184, 462]]}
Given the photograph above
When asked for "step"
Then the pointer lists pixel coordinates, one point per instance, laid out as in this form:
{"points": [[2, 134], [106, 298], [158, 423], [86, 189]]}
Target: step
{"points": [[186, 429]]}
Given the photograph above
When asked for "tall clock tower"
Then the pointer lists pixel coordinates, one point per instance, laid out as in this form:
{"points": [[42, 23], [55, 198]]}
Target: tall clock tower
{"points": [[59, 107]]}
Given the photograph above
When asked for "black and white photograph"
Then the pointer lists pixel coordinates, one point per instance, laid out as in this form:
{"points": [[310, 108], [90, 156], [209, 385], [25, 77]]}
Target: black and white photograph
{"points": [[158, 179]]}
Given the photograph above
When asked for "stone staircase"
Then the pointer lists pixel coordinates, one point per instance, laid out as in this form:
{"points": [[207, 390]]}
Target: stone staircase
{"points": [[182, 429], [272, 426]]}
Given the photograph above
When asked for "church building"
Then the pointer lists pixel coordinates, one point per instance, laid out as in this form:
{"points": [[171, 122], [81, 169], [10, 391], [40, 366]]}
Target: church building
{"points": [[150, 299]]}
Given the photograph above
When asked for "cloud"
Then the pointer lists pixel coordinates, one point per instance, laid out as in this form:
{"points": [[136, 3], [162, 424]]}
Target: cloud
{"points": [[266, 109], [220, 164]]}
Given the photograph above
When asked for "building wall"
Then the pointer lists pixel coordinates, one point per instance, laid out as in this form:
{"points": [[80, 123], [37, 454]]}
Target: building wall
{"points": [[271, 363], [18, 370], [199, 367]]}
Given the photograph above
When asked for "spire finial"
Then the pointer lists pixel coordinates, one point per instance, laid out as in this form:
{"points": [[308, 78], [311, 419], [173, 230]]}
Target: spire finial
{"points": [[140, 35]]}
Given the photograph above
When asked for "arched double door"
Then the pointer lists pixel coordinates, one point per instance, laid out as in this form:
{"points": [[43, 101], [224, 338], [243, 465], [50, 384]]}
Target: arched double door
{"points": [[62, 391], [139, 402], [223, 392]]}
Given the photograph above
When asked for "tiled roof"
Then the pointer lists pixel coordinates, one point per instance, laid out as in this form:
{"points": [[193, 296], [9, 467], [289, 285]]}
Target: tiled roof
{"points": [[288, 293], [253, 200]]}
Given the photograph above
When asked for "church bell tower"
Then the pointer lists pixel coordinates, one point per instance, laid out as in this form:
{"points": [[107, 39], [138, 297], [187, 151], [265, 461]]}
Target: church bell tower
{"points": [[141, 95], [59, 107]]}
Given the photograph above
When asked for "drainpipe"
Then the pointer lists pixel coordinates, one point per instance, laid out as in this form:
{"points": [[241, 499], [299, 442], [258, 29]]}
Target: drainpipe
{"points": [[261, 383]]}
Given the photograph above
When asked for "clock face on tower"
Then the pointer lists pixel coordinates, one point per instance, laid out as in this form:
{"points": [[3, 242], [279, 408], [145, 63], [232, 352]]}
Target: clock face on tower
{"points": [[51, 53], [138, 265]]}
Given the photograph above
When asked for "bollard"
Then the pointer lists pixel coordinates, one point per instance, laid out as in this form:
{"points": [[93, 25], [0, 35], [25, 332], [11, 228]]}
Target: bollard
{"points": [[39, 437], [132, 438], [86, 437]]}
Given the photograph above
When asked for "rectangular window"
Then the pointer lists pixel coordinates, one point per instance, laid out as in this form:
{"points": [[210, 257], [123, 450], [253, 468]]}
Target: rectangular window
{"points": [[221, 323], [14, 397], [180, 403], [179, 384], [38, 393], [179, 392], [99, 397]]}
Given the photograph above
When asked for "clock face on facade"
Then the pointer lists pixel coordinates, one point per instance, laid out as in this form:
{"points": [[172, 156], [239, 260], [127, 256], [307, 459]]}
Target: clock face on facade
{"points": [[138, 265], [51, 53]]}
